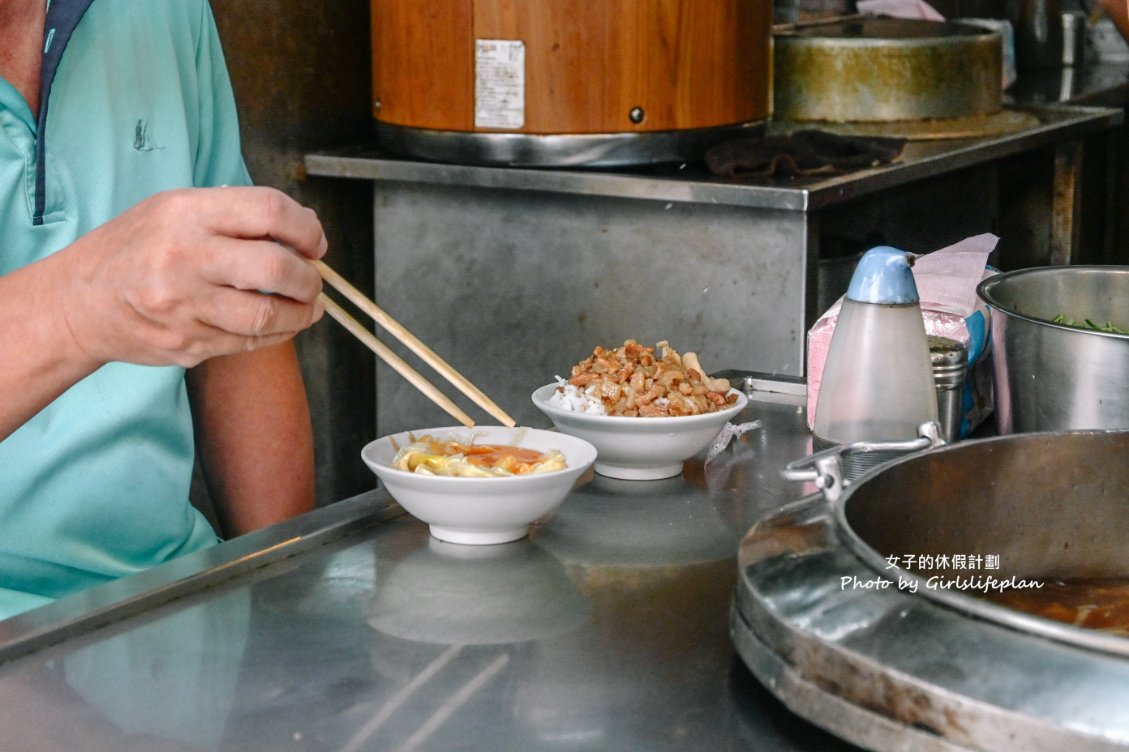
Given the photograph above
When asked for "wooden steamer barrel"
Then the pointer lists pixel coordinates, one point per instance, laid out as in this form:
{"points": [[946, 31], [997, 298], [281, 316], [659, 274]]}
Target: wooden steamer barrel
{"points": [[568, 82]]}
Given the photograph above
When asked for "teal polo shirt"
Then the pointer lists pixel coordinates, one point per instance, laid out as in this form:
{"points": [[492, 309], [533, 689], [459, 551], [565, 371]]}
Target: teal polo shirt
{"points": [[135, 99]]}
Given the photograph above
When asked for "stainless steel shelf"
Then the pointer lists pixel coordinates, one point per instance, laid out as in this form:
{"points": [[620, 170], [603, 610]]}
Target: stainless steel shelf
{"points": [[921, 159]]}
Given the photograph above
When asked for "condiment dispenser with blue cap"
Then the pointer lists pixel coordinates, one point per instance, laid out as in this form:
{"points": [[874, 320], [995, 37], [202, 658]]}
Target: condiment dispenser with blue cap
{"points": [[877, 382]]}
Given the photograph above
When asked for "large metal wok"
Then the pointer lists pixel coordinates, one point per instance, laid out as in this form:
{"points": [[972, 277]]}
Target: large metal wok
{"points": [[912, 664]]}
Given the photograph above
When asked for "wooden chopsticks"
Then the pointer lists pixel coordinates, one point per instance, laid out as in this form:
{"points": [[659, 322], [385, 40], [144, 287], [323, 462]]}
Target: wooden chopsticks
{"points": [[357, 298]]}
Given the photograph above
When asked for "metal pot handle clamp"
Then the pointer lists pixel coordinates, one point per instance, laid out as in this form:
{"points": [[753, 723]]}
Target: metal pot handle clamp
{"points": [[826, 468]]}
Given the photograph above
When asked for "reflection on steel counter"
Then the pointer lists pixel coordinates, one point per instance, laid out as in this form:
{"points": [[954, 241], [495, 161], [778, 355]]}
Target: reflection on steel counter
{"points": [[605, 629]]}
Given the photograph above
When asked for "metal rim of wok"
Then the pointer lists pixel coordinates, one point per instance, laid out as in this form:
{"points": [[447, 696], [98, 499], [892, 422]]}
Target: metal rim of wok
{"points": [[981, 609]]}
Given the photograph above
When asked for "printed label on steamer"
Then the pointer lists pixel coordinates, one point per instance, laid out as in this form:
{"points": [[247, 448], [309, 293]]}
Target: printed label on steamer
{"points": [[499, 84]]}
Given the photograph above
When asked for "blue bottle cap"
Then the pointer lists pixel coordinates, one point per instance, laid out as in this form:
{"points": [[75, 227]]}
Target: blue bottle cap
{"points": [[883, 276]]}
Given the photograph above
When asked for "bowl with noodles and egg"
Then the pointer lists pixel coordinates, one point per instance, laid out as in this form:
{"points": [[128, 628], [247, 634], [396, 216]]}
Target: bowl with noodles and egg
{"points": [[646, 409], [481, 485]]}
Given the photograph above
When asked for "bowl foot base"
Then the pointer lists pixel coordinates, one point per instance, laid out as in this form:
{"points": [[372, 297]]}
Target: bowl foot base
{"points": [[478, 537], [623, 472]]}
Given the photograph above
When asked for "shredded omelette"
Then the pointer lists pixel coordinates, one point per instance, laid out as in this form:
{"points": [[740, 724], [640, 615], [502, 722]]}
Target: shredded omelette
{"points": [[429, 456]]}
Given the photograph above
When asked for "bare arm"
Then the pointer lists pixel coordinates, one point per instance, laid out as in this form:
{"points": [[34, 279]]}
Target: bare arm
{"points": [[38, 358], [173, 281], [253, 436]]}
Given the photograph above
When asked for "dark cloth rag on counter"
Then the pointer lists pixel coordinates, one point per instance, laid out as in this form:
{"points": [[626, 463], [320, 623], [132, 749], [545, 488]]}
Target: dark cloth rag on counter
{"points": [[801, 153]]}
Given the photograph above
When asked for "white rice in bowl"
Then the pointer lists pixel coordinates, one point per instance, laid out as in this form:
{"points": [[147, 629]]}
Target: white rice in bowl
{"points": [[575, 400]]}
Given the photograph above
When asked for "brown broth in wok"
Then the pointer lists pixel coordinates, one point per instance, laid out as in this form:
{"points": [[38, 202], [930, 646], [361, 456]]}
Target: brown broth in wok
{"points": [[1100, 603]]}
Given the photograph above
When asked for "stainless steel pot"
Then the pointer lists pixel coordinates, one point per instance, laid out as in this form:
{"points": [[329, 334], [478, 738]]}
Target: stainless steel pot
{"points": [[1050, 376], [834, 619]]}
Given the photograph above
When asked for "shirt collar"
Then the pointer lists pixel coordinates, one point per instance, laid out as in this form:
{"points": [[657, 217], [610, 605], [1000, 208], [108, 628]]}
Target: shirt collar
{"points": [[62, 18]]}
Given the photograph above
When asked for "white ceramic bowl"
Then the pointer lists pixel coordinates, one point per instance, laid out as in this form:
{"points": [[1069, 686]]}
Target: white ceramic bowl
{"points": [[640, 448], [481, 511]]}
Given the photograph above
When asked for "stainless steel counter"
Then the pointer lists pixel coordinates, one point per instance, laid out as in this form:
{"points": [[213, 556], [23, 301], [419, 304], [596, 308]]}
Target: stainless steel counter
{"points": [[350, 629]]}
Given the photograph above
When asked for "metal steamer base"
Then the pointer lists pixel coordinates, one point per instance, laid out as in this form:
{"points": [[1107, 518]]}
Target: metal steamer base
{"points": [[558, 150], [906, 666]]}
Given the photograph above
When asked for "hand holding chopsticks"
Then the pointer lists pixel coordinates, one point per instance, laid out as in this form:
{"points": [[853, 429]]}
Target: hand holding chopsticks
{"points": [[397, 330]]}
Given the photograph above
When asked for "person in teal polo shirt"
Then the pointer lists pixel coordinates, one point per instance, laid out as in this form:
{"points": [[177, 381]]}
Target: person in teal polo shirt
{"points": [[149, 296]]}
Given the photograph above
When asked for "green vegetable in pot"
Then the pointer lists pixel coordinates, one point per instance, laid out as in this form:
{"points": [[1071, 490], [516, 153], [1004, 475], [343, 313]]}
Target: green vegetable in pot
{"points": [[1108, 327]]}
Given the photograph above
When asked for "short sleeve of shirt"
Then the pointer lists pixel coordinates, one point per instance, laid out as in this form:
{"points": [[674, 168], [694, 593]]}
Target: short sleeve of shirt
{"points": [[219, 159]]}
